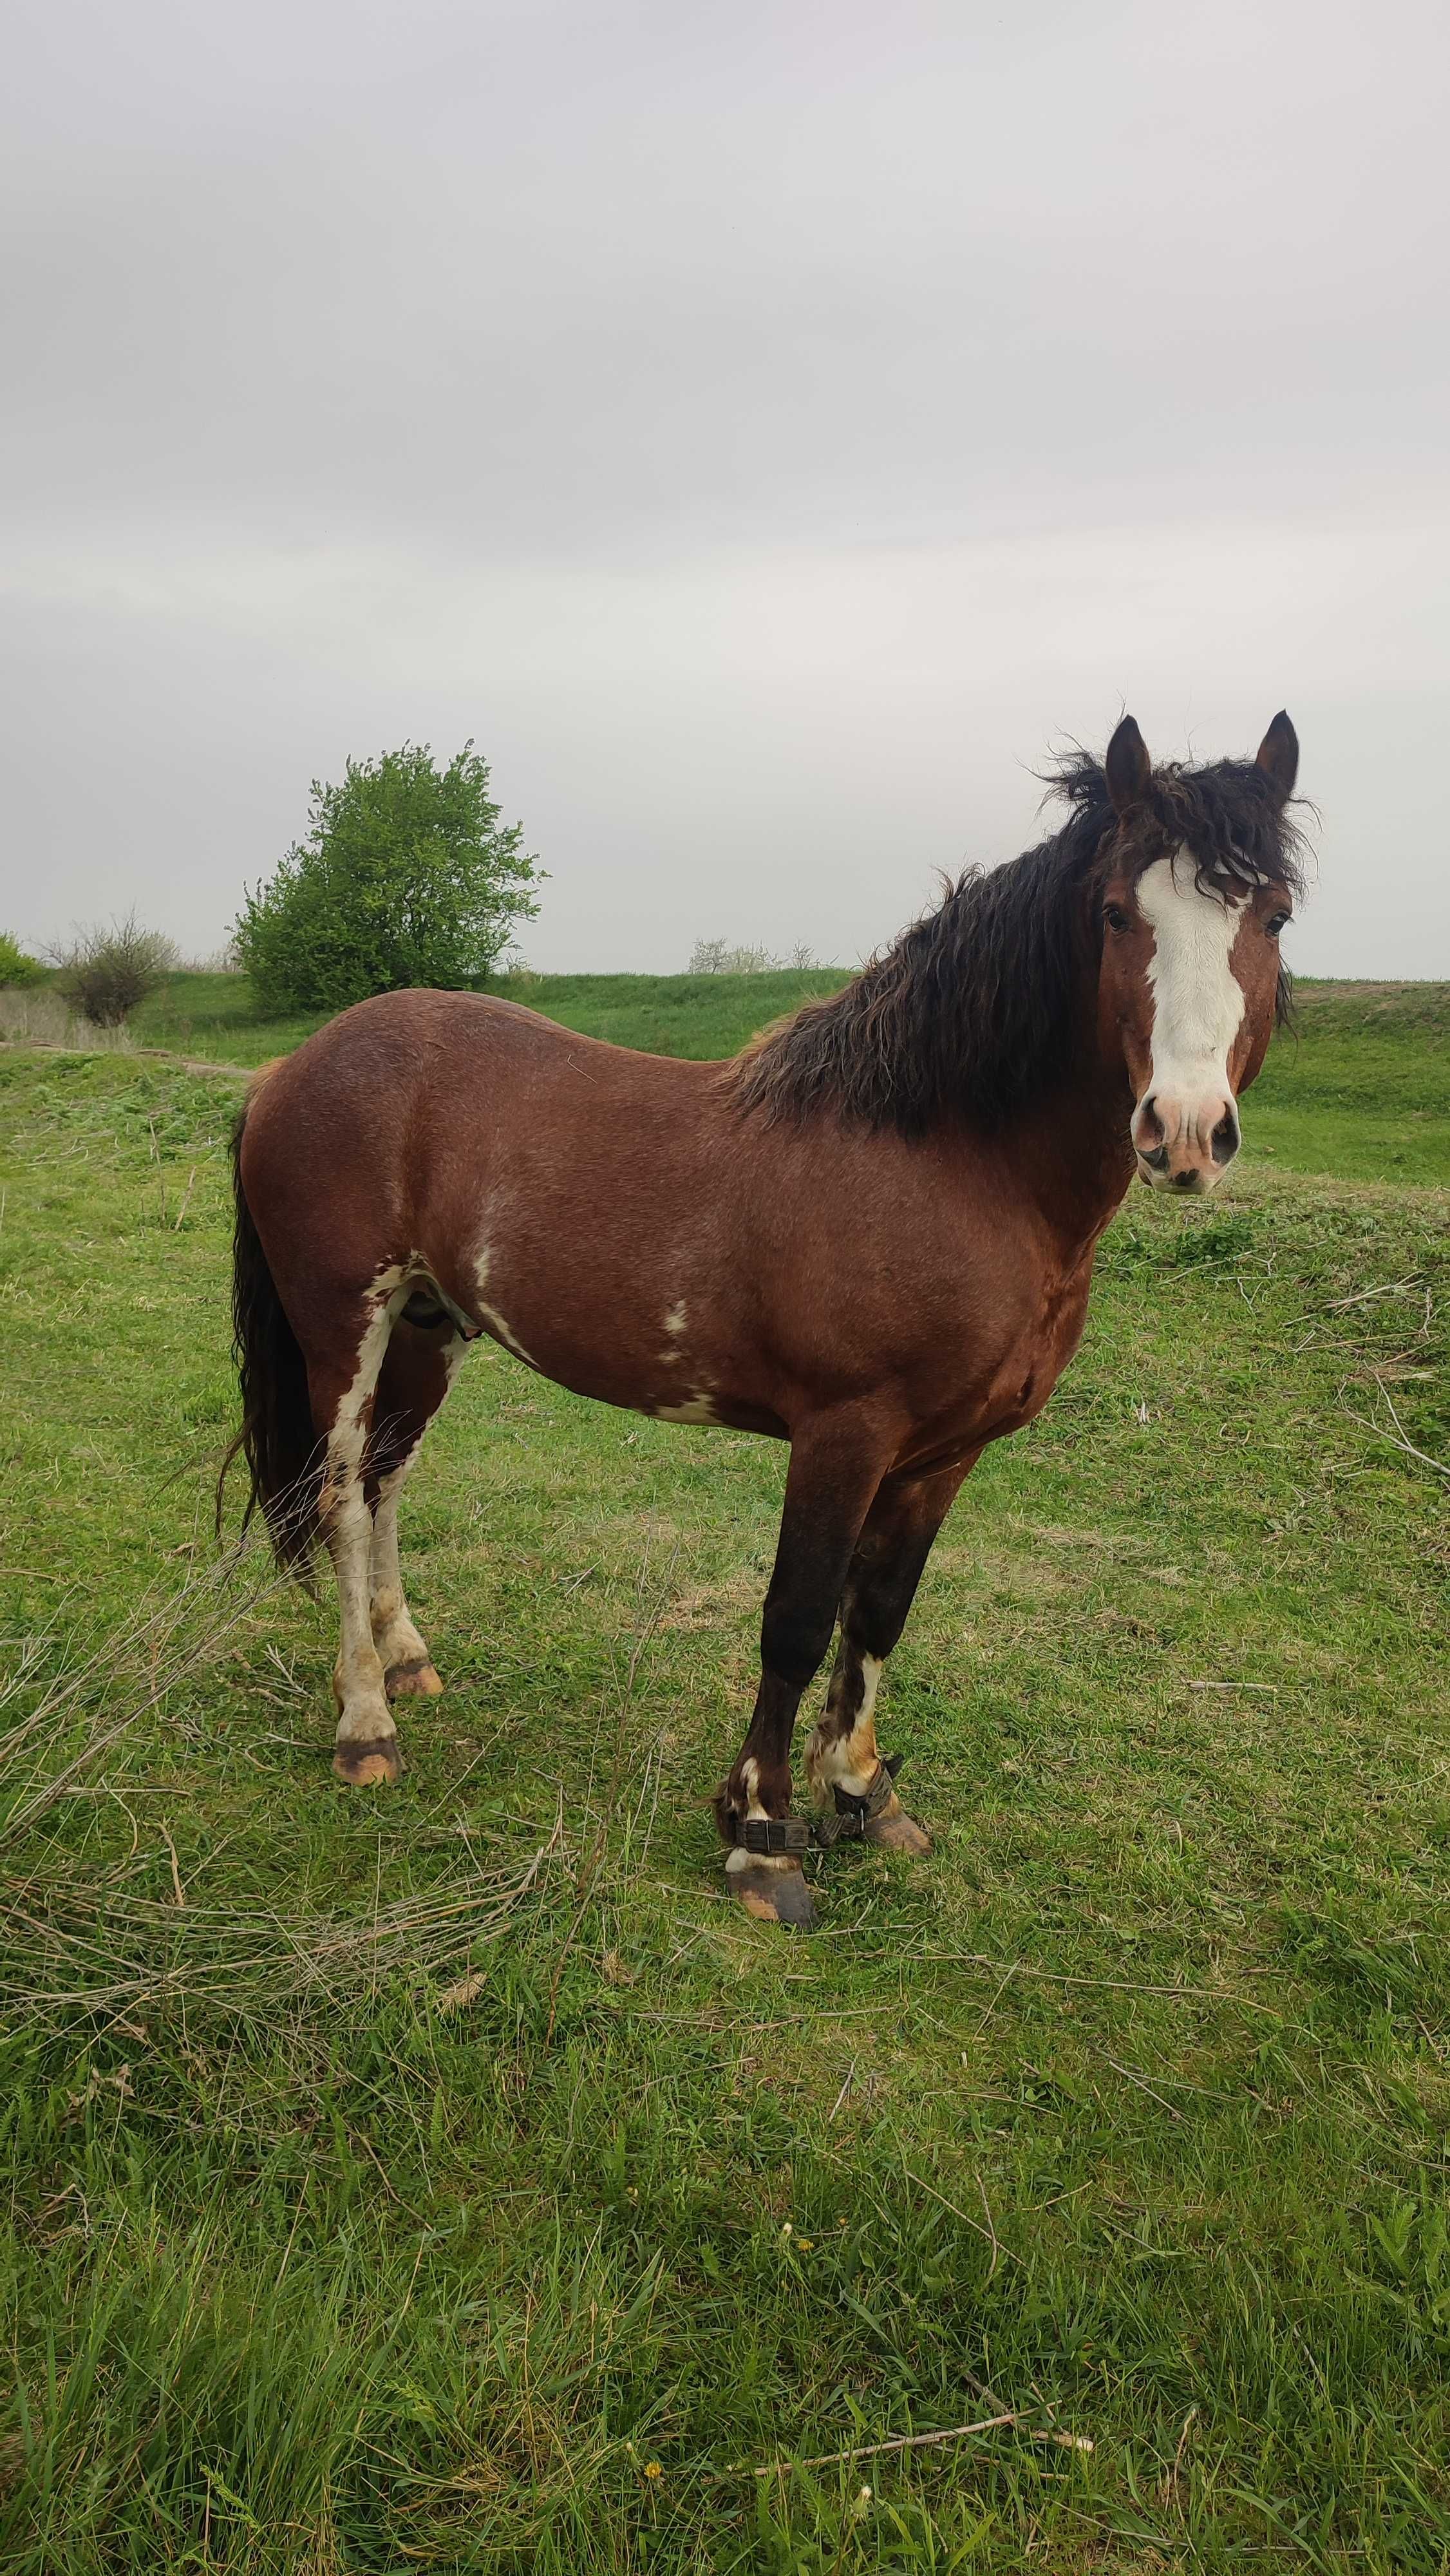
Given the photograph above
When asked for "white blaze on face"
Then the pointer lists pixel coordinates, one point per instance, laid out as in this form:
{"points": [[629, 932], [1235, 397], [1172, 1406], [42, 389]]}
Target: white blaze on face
{"points": [[1198, 1003]]}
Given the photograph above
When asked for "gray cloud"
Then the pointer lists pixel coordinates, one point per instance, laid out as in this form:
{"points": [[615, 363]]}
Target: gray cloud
{"points": [[766, 430]]}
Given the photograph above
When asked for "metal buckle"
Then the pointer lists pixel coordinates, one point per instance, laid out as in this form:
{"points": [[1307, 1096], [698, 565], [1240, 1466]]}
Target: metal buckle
{"points": [[853, 1814]]}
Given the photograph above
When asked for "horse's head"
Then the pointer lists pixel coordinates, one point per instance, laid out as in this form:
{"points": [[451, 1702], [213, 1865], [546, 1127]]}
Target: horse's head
{"points": [[1197, 881]]}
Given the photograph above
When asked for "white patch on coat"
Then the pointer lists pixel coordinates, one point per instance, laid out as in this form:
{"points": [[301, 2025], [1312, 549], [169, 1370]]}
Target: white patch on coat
{"points": [[1198, 1001], [672, 1355], [503, 1331], [696, 1408], [497, 1324]]}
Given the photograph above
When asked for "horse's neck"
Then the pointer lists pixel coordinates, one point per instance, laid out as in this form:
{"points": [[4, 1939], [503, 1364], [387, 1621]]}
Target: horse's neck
{"points": [[1072, 1153]]}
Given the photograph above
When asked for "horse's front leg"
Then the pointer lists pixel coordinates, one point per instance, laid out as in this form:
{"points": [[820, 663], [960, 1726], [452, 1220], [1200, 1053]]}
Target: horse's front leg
{"points": [[836, 1464], [878, 1593]]}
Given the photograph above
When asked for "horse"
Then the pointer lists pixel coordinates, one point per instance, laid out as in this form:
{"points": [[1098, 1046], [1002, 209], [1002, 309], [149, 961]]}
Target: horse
{"points": [[871, 1234]]}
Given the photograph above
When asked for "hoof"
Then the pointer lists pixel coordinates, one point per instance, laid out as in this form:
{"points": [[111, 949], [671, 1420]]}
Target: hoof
{"points": [[418, 1680], [899, 1833], [774, 1892], [365, 1762]]}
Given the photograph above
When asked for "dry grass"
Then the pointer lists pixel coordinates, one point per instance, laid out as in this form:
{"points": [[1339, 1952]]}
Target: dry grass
{"points": [[42, 1019]]}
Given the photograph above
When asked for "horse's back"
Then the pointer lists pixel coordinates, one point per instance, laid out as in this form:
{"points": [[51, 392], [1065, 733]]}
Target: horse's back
{"points": [[419, 1123], [407, 1062]]}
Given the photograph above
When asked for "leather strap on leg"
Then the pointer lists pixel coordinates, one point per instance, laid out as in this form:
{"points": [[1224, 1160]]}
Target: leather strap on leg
{"points": [[772, 1833], [794, 1834]]}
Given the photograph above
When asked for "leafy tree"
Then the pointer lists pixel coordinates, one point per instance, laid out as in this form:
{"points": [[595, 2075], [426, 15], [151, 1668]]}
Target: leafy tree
{"points": [[16, 967], [404, 876]]}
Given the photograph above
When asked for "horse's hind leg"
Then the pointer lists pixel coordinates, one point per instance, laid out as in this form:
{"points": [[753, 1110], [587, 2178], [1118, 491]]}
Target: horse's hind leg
{"points": [[879, 1590], [342, 1385], [412, 1383]]}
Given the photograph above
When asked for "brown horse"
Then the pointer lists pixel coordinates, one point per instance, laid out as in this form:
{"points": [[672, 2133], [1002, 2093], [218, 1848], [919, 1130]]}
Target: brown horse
{"points": [[871, 1235]]}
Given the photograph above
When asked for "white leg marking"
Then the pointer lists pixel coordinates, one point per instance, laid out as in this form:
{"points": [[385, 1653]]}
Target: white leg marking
{"points": [[348, 1526], [847, 1761], [396, 1638], [738, 1859]]}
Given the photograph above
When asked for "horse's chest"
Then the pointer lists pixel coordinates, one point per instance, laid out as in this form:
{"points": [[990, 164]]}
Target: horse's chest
{"points": [[1012, 1361]]}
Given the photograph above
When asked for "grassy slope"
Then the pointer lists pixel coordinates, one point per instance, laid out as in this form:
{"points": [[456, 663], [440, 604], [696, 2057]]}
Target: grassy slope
{"points": [[1362, 1090], [688, 1015], [1132, 2100]]}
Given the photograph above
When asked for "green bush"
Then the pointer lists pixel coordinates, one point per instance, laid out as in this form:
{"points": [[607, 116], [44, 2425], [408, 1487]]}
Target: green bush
{"points": [[104, 973], [16, 968], [404, 876]]}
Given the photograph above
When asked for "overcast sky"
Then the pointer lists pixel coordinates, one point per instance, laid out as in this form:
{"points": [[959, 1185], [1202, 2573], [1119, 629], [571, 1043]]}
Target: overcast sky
{"points": [[767, 429]]}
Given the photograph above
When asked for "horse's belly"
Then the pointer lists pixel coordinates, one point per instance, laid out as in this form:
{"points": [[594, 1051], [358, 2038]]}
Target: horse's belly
{"points": [[615, 1361]]}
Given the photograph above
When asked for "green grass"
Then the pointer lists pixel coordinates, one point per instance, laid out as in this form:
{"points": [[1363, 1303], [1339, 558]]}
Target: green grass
{"points": [[688, 1015], [383, 2205], [1362, 1089]]}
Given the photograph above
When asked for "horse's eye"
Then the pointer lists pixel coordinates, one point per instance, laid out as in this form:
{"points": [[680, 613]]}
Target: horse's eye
{"points": [[1115, 917], [1276, 922]]}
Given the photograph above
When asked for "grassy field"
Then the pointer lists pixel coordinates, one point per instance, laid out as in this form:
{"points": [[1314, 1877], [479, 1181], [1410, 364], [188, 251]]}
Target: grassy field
{"points": [[455, 2180], [686, 1015], [1361, 1090]]}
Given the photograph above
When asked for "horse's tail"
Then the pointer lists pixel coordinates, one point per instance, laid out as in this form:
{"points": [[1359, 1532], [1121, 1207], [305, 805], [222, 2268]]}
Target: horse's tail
{"points": [[276, 1441]]}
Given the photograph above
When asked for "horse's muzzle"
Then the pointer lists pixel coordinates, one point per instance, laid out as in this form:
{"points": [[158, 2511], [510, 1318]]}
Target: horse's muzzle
{"points": [[1185, 1146]]}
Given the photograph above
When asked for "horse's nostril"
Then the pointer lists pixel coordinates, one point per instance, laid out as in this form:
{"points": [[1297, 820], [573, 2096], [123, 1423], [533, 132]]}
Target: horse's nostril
{"points": [[1226, 1138], [1157, 1160]]}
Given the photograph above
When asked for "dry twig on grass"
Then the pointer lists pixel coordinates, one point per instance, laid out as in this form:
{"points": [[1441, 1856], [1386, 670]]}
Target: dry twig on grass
{"points": [[1396, 1439], [916, 2442]]}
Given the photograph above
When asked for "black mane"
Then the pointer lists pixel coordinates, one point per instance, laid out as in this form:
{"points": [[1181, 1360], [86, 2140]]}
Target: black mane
{"points": [[976, 1007]]}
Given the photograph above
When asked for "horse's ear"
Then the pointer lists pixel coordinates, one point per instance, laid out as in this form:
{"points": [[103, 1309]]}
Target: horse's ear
{"points": [[1127, 767], [1278, 754]]}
